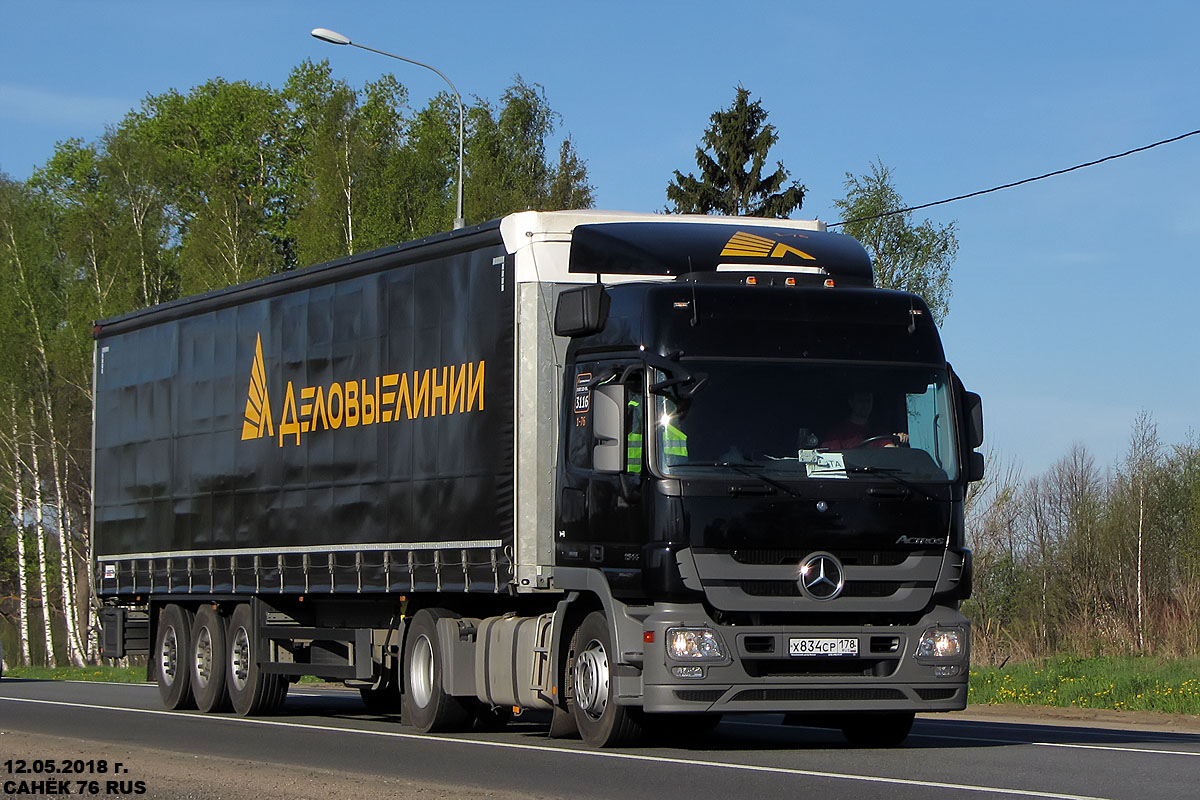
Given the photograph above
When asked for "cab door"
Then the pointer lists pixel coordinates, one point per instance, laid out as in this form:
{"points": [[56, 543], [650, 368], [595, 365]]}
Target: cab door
{"points": [[601, 516]]}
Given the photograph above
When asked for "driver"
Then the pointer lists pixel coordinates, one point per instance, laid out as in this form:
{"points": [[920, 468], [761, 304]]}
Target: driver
{"points": [[856, 428]]}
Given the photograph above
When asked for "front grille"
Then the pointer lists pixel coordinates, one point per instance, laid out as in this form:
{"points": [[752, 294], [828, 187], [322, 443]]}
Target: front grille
{"points": [[792, 588], [820, 667], [699, 695], [869, 558], [765, 695]]}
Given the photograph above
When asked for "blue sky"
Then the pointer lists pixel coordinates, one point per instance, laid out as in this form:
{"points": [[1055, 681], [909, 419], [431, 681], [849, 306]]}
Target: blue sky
{"points": [[1075, 298]]}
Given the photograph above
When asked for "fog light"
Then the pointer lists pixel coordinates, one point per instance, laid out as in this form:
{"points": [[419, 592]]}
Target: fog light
{"points": [[687, 672], [691, 644], [946, 670], [941, 643]]}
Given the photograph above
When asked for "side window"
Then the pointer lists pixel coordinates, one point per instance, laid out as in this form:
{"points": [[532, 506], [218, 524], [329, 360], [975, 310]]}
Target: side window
{"points": [[580, 436], [579, 432], [635, 413]]}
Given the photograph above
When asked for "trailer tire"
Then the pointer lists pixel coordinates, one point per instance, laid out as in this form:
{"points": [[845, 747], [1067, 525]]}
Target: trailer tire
{"points": [[209, 661], [878, 730], [427, 706], [172, 647], [251, 691], [601, 722]]}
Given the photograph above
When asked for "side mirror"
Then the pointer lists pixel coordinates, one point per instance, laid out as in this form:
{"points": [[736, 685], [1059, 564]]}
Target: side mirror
{"points": [[608, 428], [581, 311], [973, 406], [975, 466]]}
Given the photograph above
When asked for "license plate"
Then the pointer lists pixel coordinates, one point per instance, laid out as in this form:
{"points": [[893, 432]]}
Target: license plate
{"points": [[823, 647]]}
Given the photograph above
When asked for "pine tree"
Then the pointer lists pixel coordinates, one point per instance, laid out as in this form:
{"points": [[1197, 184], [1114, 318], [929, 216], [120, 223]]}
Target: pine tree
{"points": [[731, 162]]}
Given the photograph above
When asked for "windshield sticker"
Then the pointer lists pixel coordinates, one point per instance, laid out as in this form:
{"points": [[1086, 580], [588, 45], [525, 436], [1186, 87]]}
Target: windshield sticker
{"points": [[823, 465]]}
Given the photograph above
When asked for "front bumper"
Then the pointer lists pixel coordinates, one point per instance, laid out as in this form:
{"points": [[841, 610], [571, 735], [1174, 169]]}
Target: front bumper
{"points": [[757, 674]]}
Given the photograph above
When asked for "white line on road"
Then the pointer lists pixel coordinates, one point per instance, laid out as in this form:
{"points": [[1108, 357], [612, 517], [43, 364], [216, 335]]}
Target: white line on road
{"points": [[1015, 741], [583, 753]]}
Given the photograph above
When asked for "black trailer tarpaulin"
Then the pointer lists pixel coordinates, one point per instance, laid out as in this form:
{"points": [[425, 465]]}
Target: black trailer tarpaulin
{"points": [[346, 428]]}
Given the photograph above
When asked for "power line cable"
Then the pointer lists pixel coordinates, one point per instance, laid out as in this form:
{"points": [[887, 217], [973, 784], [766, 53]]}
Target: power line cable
{"points": [[1016, 183]]}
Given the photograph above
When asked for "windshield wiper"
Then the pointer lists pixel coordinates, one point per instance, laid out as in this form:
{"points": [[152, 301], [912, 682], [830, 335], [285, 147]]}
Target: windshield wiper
{"points": [[890, 474], [749, 471]]}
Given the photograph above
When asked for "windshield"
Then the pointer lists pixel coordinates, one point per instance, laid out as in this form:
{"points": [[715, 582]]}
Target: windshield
{"points": [[806, 420]]}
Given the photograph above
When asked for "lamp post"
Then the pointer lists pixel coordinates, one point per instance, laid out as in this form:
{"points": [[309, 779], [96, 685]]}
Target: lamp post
{"points": [[333, 37]]}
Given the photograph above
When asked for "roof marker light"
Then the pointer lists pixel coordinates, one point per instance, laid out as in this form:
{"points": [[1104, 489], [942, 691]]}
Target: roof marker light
{"points": [[829, 284], [751, 280], [790, 281]]}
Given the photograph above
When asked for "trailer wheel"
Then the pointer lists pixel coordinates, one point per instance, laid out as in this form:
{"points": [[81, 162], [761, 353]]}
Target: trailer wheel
{"points": [[251, 690], [601, 722], [171, 648], [427, 707], [878, 730], [208, 662]]}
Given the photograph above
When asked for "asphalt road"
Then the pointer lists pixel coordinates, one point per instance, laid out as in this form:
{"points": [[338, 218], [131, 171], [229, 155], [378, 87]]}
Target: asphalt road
{"points": [[325, 745]]}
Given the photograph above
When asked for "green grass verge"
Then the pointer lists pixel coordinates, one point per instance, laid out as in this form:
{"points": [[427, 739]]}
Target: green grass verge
{"points": [[1135, 684], [1127, 684], [109, 674], [101, 673]]}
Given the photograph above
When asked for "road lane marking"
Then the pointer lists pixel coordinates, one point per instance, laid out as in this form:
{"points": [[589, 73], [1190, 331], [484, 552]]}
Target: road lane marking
{"points": [[1078, 746], [1118, 749], [689, 762]]}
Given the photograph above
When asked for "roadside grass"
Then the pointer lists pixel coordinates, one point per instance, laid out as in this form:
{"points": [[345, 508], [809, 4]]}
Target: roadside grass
{"points": [[1130, 683], [96, 673], [1126, 684]]}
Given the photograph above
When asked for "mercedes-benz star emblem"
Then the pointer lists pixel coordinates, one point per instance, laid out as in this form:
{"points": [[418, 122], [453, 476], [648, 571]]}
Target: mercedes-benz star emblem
{"points": [[821, 576]]}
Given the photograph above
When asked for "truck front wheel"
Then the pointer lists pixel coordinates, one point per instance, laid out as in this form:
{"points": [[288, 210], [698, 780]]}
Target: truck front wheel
{"points": [[171, 649], [427, 706], [601, 722]]}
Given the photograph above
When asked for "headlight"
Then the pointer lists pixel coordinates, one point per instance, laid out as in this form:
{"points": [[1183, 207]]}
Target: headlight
{"points": [[687, 644], [941, 643]]}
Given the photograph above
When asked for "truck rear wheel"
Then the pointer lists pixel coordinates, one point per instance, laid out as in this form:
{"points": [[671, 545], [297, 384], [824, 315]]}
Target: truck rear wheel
{"points": [[172, 647], [601, 722], [208, 660], [427, 706], [250, 689], [878, 730]]}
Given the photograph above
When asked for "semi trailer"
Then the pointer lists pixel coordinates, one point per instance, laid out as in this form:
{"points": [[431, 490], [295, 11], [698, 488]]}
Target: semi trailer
{"points": [[637, 471]]}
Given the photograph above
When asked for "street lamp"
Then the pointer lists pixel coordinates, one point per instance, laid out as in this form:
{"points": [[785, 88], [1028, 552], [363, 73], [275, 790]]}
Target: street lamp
{"points": [[333, 37]]}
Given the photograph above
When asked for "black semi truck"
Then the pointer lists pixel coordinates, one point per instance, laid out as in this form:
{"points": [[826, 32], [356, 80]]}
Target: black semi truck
{"points": [[638, 471]]}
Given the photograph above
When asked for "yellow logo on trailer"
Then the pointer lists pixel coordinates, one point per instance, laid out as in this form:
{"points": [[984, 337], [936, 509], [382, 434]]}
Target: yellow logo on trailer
{"points": [[743, 245], [438, 391], [258, 403]]}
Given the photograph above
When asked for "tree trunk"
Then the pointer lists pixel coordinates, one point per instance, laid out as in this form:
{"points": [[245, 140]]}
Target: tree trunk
{"points": [[39, 529], [1141, 627], [65, 561], [19, 524]]}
